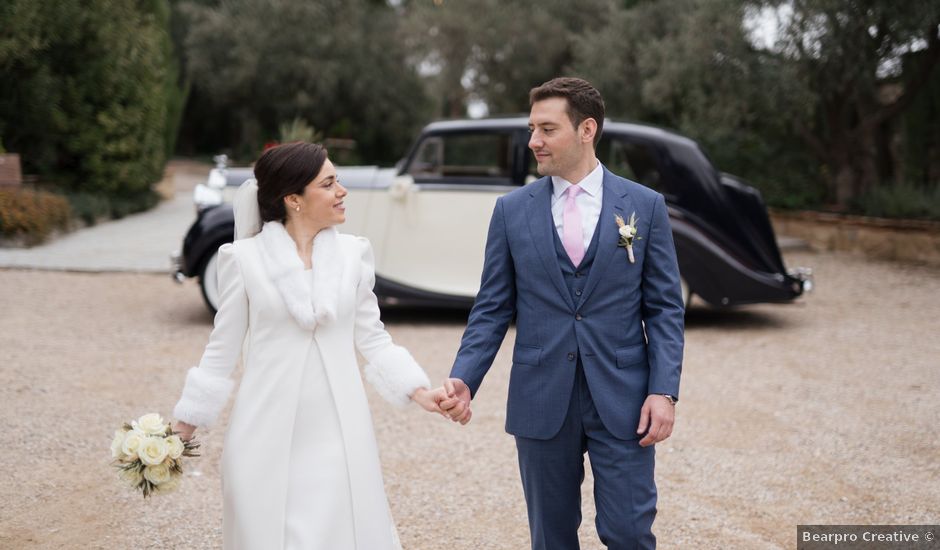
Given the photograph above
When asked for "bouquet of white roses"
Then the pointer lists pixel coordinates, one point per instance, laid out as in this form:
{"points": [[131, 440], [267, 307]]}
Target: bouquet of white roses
{"points": [[149, 454]]}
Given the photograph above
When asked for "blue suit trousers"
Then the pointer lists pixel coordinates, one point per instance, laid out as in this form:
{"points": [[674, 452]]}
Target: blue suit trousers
{"points": [[552, 472]]}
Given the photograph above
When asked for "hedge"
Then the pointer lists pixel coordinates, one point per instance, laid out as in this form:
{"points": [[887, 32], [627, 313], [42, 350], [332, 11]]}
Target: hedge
{"points": [[32, 215]]}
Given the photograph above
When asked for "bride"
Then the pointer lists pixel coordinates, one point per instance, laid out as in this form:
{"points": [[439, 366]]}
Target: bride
{"points": [[300, 464]]}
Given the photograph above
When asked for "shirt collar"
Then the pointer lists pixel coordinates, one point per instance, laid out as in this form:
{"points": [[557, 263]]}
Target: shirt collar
{"points": [[591, 184]]}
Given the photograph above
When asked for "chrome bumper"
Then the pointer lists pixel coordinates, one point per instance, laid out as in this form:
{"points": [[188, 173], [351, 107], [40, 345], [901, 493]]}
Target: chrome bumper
{"points": [[176, 267], [805, 277]]}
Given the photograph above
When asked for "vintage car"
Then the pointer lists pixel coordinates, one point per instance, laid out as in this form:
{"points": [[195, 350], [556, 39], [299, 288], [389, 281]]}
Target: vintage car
{"points": [[428, 217]]}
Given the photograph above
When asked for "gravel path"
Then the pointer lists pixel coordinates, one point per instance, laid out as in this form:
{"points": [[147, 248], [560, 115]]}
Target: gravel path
{"points": [[820, 412]]}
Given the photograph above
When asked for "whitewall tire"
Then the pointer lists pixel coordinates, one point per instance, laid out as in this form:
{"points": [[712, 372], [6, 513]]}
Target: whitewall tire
{"points": [[209, 282], [686, 292]]}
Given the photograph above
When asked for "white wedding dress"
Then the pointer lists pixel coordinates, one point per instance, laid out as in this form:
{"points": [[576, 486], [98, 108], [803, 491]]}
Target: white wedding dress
{"points": [[319, 503], [300, 464]]}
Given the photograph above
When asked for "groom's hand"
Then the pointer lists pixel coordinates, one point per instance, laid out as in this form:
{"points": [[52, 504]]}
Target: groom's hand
{"points": [[457, 404], [658, 415]]}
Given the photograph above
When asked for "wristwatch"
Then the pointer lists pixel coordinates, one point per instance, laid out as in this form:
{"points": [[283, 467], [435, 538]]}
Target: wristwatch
{"points": [[672, 400]]}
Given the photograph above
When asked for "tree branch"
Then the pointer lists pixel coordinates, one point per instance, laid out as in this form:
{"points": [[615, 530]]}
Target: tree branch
{"points": [[914, 85]]}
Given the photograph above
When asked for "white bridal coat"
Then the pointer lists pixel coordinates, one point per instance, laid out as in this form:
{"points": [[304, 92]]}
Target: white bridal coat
{"points": [[266, 302]]}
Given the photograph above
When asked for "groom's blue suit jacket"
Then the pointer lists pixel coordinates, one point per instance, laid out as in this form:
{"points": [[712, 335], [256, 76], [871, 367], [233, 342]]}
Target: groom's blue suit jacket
{"points": [[626, 327]]}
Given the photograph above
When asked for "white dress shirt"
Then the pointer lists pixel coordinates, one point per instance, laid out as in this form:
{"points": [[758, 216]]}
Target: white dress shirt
{"points": [[588, 202]]}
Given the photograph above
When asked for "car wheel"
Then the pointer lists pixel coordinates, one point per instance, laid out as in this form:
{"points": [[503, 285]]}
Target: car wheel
{"points": [[209, 281], [686, 292]]}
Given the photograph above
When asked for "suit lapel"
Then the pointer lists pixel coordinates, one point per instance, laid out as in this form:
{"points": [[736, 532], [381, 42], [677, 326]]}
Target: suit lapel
{"points": [[615, 203], [541, 225]]}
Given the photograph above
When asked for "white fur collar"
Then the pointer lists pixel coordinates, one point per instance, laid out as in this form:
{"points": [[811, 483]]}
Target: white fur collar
{"points": [[287, 272]]}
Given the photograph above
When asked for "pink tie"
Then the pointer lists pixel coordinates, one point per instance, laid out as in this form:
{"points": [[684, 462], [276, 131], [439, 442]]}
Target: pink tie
{"points": [[572, 233]]}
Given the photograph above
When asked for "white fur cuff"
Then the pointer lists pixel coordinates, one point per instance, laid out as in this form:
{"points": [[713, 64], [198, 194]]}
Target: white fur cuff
{"points": [[204, 396], [396, 375]]}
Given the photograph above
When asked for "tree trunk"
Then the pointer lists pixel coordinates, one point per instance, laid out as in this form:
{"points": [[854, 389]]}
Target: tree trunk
{"points": [[852, 160], [866, 160], [854, 175], [844, 183]]}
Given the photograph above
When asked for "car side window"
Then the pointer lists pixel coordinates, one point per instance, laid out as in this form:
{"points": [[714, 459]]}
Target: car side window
{"points": [[631, 160], [428, 160], [464, 158]]}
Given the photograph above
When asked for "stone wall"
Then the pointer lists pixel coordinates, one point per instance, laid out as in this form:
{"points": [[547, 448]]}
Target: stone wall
{"points": [[901, 240]]}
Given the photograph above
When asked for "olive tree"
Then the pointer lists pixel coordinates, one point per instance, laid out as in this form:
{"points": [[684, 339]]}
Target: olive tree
{"points": [[336, 64], [846, 54]]}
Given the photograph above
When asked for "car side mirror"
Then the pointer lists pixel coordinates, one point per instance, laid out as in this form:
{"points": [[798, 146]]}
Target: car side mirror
{"points": [[401, 187]]}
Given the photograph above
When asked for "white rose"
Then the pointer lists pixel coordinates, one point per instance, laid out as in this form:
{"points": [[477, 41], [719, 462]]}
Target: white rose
{"points": [[131, 445], [168, 486], [150, 424], [152, 451], [627, 231], [132, 476], [117, 444], [158, 474], [175, 446]]}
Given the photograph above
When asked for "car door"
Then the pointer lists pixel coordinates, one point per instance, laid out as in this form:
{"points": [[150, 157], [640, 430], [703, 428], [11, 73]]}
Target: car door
{"points": [[439, 208]]}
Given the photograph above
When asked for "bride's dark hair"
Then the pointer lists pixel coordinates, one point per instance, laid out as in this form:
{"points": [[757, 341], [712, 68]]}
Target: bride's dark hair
{"points": [[285, 170]]}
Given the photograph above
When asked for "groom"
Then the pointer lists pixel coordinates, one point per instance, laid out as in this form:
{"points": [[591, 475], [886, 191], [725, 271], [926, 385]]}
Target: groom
{"points": [[599, 319]]}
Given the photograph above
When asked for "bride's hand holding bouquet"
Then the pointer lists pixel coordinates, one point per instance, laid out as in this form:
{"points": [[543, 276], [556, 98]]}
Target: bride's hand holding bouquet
{"points": [[149, 453]]}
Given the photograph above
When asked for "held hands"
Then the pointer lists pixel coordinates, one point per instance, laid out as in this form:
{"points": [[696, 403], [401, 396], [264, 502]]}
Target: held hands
{"points": [[452, 400], [430, 400], [657, 414], [457, 404]]}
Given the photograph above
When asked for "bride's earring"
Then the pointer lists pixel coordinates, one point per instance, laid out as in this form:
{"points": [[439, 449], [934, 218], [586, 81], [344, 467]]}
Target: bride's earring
{"points": [[297, 208]]}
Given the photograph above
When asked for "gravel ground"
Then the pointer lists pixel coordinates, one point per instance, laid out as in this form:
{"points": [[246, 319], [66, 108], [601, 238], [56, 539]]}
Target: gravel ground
{"points": [[818, 412]]}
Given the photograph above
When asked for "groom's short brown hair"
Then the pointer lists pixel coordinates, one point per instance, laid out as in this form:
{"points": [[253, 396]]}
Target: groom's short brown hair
{"points": [[584, 101]]}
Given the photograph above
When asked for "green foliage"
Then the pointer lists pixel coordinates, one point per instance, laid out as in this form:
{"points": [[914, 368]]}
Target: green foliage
{"points": [[297, 130], [496, 51], [85, 95], [921, 128], [803, 119], [175, 89], [337, 64], [838, 56], [89, 207], [32, 215], [690, 66], [901, 201], [126, 205], [798, 119], [93, 207]]}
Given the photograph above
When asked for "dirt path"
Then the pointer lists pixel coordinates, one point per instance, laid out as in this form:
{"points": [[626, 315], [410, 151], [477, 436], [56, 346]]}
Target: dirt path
{"points": [[819, 412]]}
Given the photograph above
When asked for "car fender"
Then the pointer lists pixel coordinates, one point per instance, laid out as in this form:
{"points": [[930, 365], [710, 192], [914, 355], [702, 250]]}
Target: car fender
{"points": [[718, 277], [213, 228]]}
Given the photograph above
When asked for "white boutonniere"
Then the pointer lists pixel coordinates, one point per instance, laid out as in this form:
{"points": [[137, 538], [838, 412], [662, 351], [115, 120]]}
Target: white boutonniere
{"points": [[627, 234]]}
